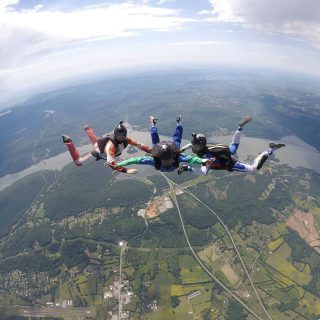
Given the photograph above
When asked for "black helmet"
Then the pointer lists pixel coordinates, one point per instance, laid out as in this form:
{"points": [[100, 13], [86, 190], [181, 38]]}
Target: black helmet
{"points": [[199, 139], [165, 150], [120, 130], [199, 143]]}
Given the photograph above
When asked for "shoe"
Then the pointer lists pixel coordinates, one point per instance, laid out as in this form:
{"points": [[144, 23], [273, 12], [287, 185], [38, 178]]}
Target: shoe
{"points": [[182, 169], [66, 139], [262, 161], [96, 154], [178, 118], [244, 121], [273, 145], [153, 120]]}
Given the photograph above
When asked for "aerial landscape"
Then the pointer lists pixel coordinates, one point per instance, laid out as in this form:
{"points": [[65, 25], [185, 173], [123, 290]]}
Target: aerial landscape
{"points": [[89, 239]]}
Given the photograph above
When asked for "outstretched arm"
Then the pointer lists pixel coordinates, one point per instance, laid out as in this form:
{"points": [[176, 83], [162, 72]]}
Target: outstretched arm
{"points": [[136, 160], [203, 170], [110, 151], [186, 147], [183, 157], [139, 145]]}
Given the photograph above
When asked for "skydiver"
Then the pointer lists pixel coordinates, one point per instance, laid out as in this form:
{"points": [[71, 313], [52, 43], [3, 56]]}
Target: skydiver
{"points": [[106, 147], [165, 156], [223, 157]]}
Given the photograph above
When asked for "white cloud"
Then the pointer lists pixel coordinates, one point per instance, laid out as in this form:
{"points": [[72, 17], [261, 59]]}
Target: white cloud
{"points": [[165, 1], [291, 17], [199, 43], [30, 31], [6, 4], [205, 12]]}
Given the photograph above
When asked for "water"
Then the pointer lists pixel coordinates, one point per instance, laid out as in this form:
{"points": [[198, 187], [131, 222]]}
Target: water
{"points": [[297, 153]]}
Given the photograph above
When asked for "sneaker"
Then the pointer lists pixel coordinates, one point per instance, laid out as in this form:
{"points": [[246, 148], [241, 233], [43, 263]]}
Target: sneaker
{"points": [[244, 121], [178, 118], [66, 139], [153, 120], [273, 145], [262, 161], [96, 154]]}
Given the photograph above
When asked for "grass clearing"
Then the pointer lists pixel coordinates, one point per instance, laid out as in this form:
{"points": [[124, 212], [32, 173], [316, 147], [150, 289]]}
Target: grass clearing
{"points": [[287, 315], [281, 261], [209, 254], [310, 303], [274, 245], [65, 293], [194, 275], [186, 261], [196, 181], [230, 274], [184, 290], [184, 310]]}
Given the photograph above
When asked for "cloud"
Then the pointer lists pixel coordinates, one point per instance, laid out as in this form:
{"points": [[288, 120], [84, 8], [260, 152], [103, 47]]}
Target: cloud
{"points": [[199, 43], [28, 32], [291, 17], [165, 1], [205, 12]]}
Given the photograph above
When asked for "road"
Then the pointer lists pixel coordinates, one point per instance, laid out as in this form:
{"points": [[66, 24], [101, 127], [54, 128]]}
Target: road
{"points": [[120, 279], [170, 182]]}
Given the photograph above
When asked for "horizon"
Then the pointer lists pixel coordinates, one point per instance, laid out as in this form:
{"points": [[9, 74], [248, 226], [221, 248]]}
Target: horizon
{"points": [[47, 44], [122, 74]]}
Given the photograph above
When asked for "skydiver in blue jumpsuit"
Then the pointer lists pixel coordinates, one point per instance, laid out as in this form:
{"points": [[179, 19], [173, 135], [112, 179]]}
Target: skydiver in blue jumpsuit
{"points": [[166, 156], [226, 161]]}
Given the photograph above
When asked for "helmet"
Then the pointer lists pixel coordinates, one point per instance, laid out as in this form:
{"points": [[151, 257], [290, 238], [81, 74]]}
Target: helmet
{"points": [[199, 139], [120, 130], [165, 151], [199, 143]]}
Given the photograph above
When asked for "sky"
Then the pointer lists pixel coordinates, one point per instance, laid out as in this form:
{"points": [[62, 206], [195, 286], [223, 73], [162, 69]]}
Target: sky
{"points": [[51, 42]]}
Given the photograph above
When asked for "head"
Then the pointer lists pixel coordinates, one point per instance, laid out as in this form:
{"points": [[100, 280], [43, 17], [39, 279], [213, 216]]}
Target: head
{"points": [[199, 143], [166, 152], [120, 132]]}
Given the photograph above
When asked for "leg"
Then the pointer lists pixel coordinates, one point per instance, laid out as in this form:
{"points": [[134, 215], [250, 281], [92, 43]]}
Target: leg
{"points": [[259, 160], [235, 141], [92, 136], [200, 171], [154, 131], [177, 135], [74, 151], [255, 166], [237, 135], [93, 139]]}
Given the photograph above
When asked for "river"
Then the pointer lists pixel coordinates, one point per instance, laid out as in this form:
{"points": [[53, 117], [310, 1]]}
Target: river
{"points": [[297, 153]]}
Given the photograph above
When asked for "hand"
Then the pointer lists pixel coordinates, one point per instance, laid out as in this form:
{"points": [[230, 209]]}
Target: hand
{"points": [[111, 165], [146, 148], [132, 171], [182, 169], [209, 162]]}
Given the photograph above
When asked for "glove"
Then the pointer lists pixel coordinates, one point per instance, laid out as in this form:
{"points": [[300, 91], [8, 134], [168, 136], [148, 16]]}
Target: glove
{"points": [[145, 148], [208, 162], [96, 154], [112, 165], [132, 171], [182, 169]]}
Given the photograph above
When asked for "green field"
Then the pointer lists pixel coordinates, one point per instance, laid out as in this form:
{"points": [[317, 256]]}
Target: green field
{"points": [[280, 260]]}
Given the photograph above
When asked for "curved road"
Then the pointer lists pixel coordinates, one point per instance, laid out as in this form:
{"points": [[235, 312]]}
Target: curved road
{"points": [[170, 182]]}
